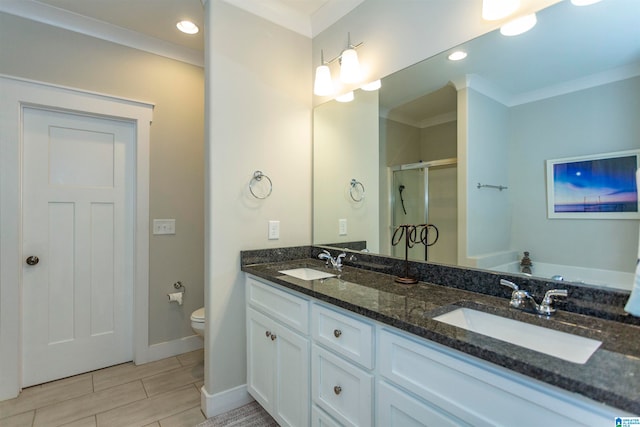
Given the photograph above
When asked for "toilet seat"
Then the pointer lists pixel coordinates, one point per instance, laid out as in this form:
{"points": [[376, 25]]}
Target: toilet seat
{"points": [[198, 315]]}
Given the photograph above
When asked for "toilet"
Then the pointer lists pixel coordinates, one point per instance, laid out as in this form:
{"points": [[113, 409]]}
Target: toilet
{"points": [[197, 321]]}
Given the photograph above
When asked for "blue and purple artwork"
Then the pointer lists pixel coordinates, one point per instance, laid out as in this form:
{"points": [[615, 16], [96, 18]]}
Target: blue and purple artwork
{"points": [[598, 185]]}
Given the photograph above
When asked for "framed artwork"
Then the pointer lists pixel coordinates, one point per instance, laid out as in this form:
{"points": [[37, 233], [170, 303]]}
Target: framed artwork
{"points": [[601, 186]]}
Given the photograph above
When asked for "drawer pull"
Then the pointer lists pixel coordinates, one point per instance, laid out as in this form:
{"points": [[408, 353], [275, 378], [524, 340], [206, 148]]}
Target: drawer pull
{"points": [[337, 333], [337, 390], [273, 337], [268, 334]]}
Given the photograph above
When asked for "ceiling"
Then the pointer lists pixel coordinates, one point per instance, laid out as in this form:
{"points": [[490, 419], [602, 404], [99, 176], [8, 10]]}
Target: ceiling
{"points": [[149, 20]]}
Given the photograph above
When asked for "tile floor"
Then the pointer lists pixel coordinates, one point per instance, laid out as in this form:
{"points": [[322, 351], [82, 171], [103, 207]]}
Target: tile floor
{"points": [[165, 393]]}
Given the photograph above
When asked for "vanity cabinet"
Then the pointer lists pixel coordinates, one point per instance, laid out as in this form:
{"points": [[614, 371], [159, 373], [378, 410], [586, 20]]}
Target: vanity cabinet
{"points": [[444, 387], [311, 363], [278, 354]]}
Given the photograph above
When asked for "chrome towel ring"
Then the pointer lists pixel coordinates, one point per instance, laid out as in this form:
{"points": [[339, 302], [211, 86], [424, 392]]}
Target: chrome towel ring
{"points": [[257, 190], [356, 191]]}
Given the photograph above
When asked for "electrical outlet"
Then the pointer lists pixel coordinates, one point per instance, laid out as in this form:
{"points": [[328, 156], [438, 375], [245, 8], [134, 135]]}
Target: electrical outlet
{"points": [[342, 227], [164, 226], [274, 230]]}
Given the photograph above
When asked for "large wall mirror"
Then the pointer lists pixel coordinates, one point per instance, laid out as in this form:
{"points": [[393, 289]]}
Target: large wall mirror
{"points": [[465, 145]]}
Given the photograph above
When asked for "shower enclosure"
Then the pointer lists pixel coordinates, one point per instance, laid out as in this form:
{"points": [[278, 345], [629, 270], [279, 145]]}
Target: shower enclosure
{"points": [[426, 192]]}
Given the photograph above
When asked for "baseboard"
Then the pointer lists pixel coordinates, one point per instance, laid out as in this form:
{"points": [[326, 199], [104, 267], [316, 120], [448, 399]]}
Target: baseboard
{"points": [[170, 348], [215, 404]]}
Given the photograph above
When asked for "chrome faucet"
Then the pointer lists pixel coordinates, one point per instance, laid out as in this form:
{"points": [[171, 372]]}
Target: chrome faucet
{"points": [[522, 300], [336, 262]]}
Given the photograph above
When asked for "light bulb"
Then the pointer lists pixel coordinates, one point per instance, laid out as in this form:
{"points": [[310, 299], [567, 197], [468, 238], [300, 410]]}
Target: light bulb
{"points": [[350, 67], [519, 25], [497, 9], [323, 85], [347, 97], [457, 55], [371, 86], [583, 2]]}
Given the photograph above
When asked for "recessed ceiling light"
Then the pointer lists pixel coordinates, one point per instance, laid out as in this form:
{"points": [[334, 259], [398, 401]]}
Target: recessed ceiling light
{"points": [[187, 27], [519, 25], [457, 55]]}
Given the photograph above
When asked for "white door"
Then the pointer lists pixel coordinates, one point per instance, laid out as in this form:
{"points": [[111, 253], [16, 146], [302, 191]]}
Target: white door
{"points": [[78, 221]]}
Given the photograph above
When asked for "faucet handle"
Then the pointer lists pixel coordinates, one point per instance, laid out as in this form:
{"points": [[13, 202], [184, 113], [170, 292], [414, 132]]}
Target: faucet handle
{"points": [[546, 306]]}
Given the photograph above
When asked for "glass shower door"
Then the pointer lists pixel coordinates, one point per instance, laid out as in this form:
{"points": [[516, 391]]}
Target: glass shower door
{"points": [[427, 193]]}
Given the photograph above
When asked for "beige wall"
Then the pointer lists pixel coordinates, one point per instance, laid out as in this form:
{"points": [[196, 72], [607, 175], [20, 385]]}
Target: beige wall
{"points": [[40, 52], [259, 118]]}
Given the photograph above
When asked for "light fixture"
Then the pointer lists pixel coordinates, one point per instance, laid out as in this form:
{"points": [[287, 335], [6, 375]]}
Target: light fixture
{"points": [[187, 27], [457, 55], [583, 2], [497, 9], [371, 86], [519, 25], [323, 85], [346, 97], [349, 65]]}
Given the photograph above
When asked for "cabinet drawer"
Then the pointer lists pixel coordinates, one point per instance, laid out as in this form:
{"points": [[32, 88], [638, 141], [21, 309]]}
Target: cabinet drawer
{"points": [[289, 309], [343, 334], [342, 390], [476, 392], [397, 409], [320, 419]]}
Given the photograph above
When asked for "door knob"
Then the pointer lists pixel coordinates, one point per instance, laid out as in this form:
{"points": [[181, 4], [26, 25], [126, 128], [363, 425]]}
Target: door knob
{"points": [[33, 260]]}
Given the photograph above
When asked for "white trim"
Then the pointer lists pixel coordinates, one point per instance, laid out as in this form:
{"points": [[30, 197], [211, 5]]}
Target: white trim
{"points": [[61, 18], [171, 348], [219, 403], [15, 93]]}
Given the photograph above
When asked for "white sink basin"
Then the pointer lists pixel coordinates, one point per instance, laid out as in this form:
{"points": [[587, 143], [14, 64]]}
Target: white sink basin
{"points": [[307, 273], [572, 348]]}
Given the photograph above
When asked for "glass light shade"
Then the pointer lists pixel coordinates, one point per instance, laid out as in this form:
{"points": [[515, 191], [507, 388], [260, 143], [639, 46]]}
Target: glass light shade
{"points": [[519, 25], [497, 9], [323, 86], [583, 2], [350, 67], [187, 27], [347, 97], [371, 86]]}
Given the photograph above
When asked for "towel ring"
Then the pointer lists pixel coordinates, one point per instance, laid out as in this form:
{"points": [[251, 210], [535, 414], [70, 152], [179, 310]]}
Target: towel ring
{"points": [[359, 194], [255, 180]]}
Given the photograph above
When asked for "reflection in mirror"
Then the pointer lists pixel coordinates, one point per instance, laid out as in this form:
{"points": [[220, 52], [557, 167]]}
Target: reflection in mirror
{"points": [[437, 129]]}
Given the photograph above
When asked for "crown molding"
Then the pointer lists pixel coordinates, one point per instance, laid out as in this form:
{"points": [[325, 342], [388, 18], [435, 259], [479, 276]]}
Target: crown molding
{"points": [[70, 21]]}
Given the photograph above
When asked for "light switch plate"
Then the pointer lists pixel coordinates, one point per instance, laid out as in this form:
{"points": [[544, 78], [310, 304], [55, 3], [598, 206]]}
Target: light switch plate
{"points": [[274, 230], [164, 226], [342, 227]]}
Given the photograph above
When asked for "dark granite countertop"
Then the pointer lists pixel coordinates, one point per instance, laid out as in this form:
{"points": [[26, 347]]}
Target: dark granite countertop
{"points": [[610, 376]]}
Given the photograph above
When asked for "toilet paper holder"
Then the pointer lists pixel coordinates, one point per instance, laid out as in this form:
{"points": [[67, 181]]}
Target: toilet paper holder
{"points": [[177, 296]]}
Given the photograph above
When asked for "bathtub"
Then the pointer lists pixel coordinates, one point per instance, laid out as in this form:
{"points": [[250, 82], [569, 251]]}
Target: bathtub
{"points": [[590, 276]]}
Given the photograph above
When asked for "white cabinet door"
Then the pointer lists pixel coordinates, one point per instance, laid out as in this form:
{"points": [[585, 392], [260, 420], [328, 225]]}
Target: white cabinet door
{"points": [[278, 369], [260, 358], [341, 389], [292, 378]]}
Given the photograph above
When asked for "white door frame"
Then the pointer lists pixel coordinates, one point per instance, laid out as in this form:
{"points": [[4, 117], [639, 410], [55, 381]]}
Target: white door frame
{"points": [[14, 94]]}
